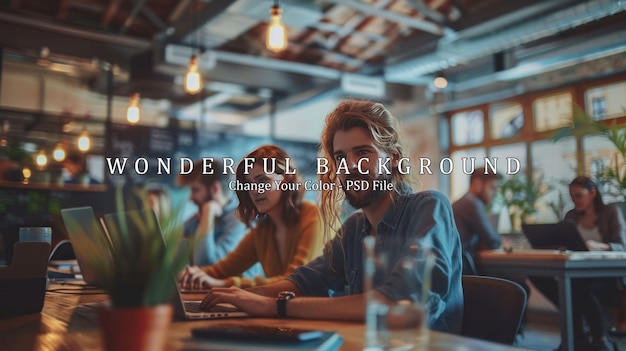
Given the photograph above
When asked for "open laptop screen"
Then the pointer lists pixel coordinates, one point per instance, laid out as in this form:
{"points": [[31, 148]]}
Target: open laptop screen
{"points": [[559, 236], [83, 228]]}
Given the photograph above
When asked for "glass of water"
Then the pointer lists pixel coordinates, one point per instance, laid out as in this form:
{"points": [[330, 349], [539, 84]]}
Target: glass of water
{"points": [[35, 234], [402, 323]]}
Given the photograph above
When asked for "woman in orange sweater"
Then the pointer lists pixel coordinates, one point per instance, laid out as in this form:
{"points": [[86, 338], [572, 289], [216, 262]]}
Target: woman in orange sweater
{"points": [[286, 232]]}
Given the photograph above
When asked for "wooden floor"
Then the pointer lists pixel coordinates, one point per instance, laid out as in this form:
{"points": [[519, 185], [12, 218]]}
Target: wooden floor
{"points": [[542, 333]]}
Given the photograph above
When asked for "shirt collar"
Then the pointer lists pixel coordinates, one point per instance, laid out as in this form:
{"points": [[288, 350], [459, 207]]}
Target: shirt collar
{"points": [[394, 212]]}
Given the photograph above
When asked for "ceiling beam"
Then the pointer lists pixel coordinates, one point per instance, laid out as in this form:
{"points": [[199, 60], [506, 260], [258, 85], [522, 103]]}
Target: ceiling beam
{"points": [[66, 40], [111, 10], [423, 8], [408, 21], [180, 8], [153, 18], [133, 14], [185, 25], [63, 9]]}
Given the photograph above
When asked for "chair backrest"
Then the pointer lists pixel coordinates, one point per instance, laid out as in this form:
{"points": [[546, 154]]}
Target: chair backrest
{"points": [[469, 267], [63, 251], [493, 308]]}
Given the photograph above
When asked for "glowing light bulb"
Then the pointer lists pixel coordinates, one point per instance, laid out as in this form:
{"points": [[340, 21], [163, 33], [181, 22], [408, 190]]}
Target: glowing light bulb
{"points": [[193, 79], [440, 82], [83, 141], [26, 172], [276, 39], [132, 114], [42, 159], [59, 153]]}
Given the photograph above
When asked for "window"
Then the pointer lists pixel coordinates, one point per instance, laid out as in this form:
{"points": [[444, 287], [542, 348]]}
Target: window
{"points": [[506, 120], [552, 111], [468, 127], [607, 101], [459, 181], [554, 166], [600, 156]]}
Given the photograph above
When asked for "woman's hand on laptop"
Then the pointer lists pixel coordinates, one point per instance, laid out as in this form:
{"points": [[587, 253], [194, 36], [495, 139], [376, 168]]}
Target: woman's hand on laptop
{"points": [[194, 278], [593, 245], [251, 303]]}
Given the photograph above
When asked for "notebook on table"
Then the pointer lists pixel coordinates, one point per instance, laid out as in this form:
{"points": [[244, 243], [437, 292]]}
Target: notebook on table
{"points": [[182, 309], [559, 236]]}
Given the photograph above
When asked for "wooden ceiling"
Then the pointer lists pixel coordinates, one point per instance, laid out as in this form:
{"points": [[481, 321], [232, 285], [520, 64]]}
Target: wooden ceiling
{"points": [[406, 42]]}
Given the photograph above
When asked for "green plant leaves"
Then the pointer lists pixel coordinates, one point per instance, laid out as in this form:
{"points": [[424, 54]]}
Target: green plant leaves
{"points": [[141, 269]]}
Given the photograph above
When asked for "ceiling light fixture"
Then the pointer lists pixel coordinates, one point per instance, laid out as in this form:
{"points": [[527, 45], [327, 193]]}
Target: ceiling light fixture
{"points": [[276, 38], [84, 141], [440, 82], [132, 114], [193, 78], [42, 159], [59, 152]]}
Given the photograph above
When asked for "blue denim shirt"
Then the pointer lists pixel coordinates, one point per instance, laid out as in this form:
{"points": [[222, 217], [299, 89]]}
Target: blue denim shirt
{"points": [[423, 218]]}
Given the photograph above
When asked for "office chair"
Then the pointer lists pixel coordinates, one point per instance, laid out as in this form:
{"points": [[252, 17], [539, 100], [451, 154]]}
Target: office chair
{"points": [[62, 251], [469, 267], [493, 308]]}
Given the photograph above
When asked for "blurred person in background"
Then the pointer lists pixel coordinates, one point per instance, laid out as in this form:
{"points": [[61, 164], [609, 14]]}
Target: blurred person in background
{"points": [[472, 221], [214, 230], [602, 228]]}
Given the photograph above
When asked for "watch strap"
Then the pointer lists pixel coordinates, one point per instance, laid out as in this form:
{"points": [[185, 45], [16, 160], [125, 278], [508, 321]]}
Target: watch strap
{"points": [[281, 303]]}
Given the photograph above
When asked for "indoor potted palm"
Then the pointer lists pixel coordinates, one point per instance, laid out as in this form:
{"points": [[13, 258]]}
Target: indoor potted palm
{"points": [[613, 176], [519, 196], [138, 273]]}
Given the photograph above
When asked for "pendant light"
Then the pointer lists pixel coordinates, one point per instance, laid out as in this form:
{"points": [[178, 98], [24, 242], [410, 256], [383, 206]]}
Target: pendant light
{"points": [[132, 114], [193, 78], [276, 37], [59, 152], [41, 159], [84, 141]]}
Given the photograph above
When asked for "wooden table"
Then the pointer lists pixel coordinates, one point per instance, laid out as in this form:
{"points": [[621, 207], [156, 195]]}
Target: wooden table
{"points": [[550, 263], [69, 322]]}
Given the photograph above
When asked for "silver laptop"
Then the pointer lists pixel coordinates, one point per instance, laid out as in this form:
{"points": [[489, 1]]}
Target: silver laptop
{"points": [[183, 309], [80, 223]]}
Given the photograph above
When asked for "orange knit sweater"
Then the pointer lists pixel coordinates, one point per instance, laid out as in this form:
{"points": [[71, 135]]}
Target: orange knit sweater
{"points": [[258, 246]]}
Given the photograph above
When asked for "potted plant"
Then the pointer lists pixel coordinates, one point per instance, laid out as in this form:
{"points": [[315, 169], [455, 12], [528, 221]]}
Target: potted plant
{"points": [[138, 274], [12, 158], [612, 177], [519, 196]]}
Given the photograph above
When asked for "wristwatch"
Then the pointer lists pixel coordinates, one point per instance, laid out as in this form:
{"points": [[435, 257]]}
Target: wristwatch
{"points": [[281, 302]]}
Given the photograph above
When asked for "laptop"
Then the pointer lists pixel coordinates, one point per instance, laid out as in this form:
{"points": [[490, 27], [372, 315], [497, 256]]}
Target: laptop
{"points": [[81, 222], [559, 236], [182, 309]]}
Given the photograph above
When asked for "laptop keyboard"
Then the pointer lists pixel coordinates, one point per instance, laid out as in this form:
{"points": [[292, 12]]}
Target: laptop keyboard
{"points": [[192, 306]]}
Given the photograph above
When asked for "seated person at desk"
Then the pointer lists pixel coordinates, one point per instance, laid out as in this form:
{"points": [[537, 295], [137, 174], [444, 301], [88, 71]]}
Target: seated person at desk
{"points": [[286, 232], [475, 229], [214, 230], [75, 170], [602, 228], [365, 131]]}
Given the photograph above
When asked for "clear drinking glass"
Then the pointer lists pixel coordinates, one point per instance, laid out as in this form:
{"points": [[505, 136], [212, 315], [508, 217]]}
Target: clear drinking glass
{"points": [[37, 234], [403, 324]]}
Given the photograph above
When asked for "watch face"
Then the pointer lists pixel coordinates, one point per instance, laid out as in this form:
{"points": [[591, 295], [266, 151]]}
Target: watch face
{"points": [[286, 294]]}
